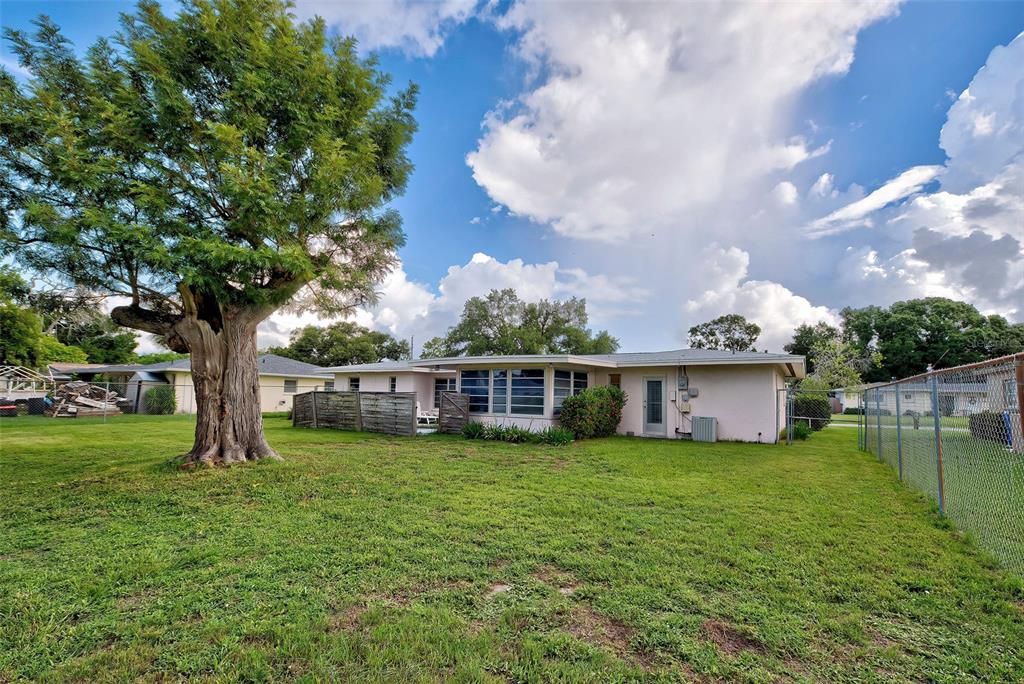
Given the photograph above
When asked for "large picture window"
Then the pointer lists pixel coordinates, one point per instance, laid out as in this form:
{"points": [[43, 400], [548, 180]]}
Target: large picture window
{"points": [[567, 383], [475, 384], [505, 391], [526, 391]]}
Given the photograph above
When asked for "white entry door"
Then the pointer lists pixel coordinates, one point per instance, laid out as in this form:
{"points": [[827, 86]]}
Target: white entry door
{"points": [[654, 407]]}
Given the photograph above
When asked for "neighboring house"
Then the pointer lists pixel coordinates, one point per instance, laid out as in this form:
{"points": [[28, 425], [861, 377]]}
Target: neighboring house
{"points": [[955, 398], [280, 379], [666, 389]]}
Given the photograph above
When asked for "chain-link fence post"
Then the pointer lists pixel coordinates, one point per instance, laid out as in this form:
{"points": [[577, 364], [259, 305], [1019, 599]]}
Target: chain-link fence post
{"points": [[878, 420], [899, 435], [937, 419], [791, 402]]}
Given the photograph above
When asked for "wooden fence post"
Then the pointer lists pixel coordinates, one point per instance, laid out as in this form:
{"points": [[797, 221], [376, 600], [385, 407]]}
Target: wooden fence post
{"points": [[315, 423]]}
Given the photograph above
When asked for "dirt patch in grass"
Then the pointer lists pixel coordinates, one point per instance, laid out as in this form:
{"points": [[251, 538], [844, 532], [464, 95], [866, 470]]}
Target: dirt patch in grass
{"points": [[497, 588], [606, 633], [346, 620], [565, 582], [729, 639]]}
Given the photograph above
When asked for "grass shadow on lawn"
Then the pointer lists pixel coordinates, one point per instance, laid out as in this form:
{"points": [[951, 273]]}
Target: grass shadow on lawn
{"points": [[368, 558]]}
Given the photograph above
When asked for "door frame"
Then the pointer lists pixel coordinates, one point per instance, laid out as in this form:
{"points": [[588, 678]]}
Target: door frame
{"points": [[664, 406]]}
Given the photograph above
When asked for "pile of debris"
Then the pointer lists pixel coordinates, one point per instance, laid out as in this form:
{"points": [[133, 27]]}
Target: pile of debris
{"points": [[78, 398]]}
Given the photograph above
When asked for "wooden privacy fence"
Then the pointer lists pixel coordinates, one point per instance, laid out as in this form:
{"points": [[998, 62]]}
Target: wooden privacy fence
{"points": [[393, 413], [453, 413]]}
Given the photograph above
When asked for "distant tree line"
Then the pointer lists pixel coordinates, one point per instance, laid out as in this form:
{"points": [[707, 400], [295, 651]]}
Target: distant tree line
{"points": [[501, 323], [342, 344], [875, 344]]}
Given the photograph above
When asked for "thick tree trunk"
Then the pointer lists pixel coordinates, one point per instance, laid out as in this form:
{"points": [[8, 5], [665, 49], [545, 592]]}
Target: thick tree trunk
{"points": [[225, 373], [229, 424]]}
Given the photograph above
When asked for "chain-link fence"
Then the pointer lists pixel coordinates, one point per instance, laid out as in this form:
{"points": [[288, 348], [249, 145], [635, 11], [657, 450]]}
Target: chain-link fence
{"points": [[957, 435]]}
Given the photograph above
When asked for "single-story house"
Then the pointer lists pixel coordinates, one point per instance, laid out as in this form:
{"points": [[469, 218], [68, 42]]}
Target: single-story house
{"points": [[666, 390], [280, 378]]}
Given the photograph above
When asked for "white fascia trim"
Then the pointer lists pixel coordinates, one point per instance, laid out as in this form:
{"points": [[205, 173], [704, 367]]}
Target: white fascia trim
{"points": [[527, 360]]}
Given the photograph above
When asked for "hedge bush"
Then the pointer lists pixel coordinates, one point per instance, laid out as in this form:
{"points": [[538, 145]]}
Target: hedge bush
{"points": [[160, 400], [816, 409], [594, 412]]}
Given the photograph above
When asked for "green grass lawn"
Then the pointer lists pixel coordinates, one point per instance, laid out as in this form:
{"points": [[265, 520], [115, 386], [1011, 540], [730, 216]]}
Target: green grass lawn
{"points": [[367, 558], [923, 421]]}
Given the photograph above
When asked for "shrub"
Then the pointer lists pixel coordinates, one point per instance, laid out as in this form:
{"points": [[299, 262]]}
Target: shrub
{"points": [[988, 425], [506, 433], [594, 412], [852, 411], [473, 431], [800, 431], [554, 436], [815, 408], [160, 401]]}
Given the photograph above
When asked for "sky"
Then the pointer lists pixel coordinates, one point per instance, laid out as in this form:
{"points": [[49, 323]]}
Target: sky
{"points": [[672, 162]]}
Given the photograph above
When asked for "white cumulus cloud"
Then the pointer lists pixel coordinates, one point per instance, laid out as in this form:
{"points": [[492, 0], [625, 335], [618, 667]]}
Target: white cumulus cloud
{"points": [[418, 28], [775, 308], [647, 111]]}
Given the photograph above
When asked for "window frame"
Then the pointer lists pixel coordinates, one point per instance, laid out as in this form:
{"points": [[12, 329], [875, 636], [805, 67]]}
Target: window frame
{"points": [[476, 398], [450, 385], [353, 383], [393, 383], [512, 380], [290, 382], [328, 385], [559, 394]]}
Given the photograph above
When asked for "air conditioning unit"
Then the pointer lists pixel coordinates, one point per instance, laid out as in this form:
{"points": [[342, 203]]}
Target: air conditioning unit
{"points": [[705, 429]]}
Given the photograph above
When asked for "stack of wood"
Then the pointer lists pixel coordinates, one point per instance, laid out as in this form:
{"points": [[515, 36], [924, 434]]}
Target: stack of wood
{"points": [[78, 398]]}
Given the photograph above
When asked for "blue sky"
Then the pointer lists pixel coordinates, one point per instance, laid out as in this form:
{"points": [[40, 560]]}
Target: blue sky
{"points": [[670, 170]]}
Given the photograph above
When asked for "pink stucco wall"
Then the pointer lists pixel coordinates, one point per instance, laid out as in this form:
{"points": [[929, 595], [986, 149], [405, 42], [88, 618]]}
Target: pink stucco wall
{"points": [[744, 399]]}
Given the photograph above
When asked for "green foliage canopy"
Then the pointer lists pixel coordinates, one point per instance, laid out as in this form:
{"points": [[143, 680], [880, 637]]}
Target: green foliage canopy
{"points": [[730, 332], [228, 159], [936, 331], [341, 344], [501, 323], [806, 337]]}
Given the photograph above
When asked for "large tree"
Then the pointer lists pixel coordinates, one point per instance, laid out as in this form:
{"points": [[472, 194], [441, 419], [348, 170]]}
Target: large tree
{"points": [[501, 323], [806, 337], [211, 167], [934, 331], [731, 332], [341, 344]]}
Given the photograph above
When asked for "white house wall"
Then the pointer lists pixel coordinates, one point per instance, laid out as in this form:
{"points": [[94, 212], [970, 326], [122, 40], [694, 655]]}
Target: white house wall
{"points": [[744, 399]]}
